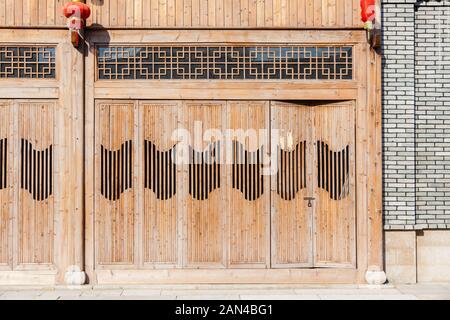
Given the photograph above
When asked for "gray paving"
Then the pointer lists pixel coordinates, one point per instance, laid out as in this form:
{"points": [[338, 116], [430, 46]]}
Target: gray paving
{"points": [[230, 292]]}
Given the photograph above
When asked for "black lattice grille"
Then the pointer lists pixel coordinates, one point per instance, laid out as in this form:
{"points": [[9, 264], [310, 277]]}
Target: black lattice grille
{"points": [[35, 62], [223, 62]]}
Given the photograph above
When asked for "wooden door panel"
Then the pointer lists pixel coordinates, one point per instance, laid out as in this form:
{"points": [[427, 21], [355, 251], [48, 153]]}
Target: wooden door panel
{"points": [[114, 207], [6, 182], [204, 226], [334, 163], [249, 189], [161, 213], [36, 196], [291, 217]]}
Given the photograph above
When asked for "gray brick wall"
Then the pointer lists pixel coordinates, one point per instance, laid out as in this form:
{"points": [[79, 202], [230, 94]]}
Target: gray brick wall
{"points": [[416, 114], [432, 55], [398, 115]]}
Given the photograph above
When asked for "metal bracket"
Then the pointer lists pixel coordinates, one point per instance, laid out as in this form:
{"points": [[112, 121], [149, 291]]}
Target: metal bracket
{"points": [[309, 199]]}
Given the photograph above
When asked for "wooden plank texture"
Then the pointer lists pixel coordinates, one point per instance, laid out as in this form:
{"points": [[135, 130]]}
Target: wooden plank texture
{"points": [[160, 239], [292, 243], [204, 224], [36, 225], [334, 179], [6, 183], [115, 213], [249, 191], [188, 13]]}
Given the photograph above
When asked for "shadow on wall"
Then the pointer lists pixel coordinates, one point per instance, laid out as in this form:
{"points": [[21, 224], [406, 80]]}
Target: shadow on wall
{"points": [[100, 33]]}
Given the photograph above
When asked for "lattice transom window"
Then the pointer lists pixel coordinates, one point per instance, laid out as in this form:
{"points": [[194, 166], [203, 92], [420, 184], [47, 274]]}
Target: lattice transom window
{"points": [[33, 62], [222, 62]]}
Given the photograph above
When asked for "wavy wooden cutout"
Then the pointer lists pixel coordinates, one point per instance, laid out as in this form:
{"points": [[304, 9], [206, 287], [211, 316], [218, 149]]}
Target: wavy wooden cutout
{"points": [[160, 171], [247, 171], [291, 175], [116, 171], [333, 168], [36, 171]]}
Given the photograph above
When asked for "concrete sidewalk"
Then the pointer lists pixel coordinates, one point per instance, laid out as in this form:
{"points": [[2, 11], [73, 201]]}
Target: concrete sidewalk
{"points": [[230, 292]]}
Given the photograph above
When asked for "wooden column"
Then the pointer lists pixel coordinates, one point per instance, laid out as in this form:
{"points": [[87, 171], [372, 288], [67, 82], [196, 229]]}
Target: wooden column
{"points": [[375, 223], [70, 231]]}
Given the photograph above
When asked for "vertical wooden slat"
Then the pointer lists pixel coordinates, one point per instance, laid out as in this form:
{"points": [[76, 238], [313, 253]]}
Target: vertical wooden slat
{"points": [[42, 12], [179, 13], [317, 5], [9, 14], [252, 13], [51, 13], [129, 13], [121, 12], [228, 12], [285, 13], [293, 10], [236, 12], [195, 13], [219, 18], [162, 13], [301, 12], [18, 12], [187, 12], [3, 12], [244, 11], [309, 13], [269, 13], [260, 13], [204, 13], [138, 13], [171, 13]]}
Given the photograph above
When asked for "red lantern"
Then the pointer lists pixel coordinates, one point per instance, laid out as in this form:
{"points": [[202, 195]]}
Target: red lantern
{"points": [[75, 23], [76, 9], [76, 13], [367, 10]]}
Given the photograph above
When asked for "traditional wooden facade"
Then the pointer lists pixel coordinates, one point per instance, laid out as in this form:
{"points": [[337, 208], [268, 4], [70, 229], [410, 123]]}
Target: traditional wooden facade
{"points": [[86, 142]]}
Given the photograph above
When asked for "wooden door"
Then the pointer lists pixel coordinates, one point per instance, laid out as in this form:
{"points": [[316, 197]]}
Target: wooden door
{"points": [[292, 219], [205, 209], [313, 193], [28, 175], [161, 183], [219, 209], [6, 183], [115, 184], [248, 187], [333, 135], [36, 212]]}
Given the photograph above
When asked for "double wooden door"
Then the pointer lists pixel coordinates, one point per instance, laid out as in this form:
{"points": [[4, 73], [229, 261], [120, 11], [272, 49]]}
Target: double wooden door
{"points": [[313, 192], [166, 199]]}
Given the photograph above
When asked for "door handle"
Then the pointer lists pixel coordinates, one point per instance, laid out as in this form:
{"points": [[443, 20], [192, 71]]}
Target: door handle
{"points": [[309, 199]]}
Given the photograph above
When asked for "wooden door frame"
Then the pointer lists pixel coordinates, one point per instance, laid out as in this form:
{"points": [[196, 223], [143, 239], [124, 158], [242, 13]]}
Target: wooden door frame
{"points": [[67, 90], [364, 90]]}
